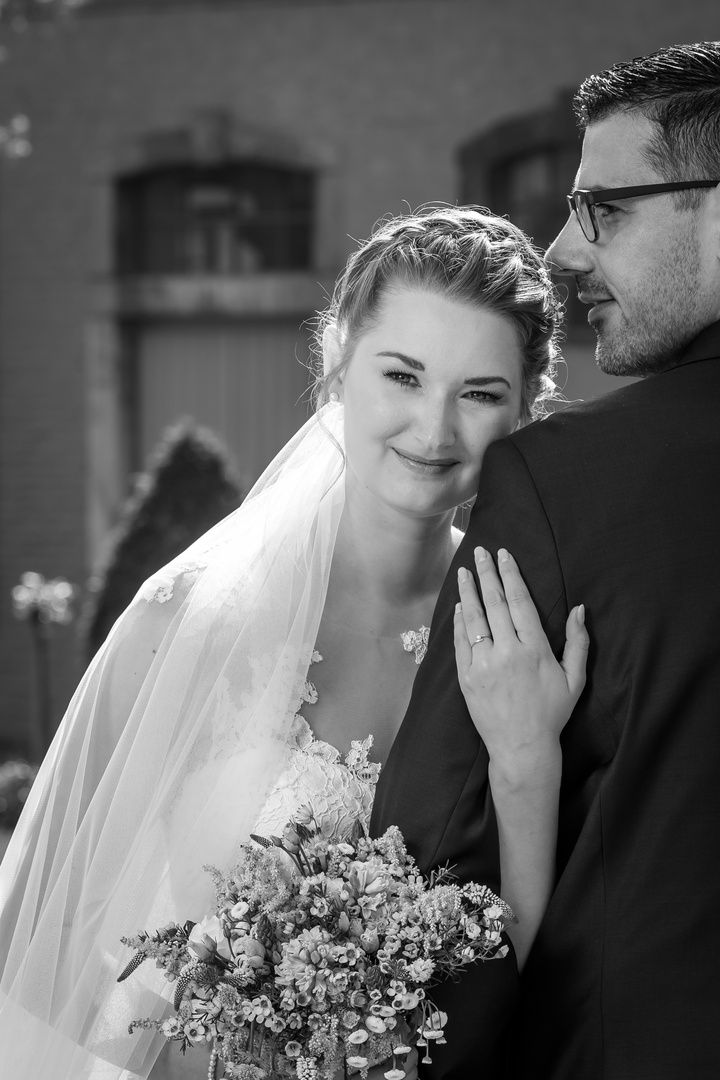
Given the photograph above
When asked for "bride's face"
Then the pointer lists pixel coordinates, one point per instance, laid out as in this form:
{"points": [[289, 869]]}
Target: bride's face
{"points": [[430, 385]]}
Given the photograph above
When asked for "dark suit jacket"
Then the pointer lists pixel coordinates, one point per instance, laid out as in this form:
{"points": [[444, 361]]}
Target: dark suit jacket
{"points": [[614, 503]]}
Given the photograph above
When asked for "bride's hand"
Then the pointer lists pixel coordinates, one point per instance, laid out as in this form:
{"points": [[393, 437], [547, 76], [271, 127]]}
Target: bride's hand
{"points": [[518, 695]]}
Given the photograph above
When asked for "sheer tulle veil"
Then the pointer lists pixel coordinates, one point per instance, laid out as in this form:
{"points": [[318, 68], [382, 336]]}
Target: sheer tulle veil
{"points": [[168, 749]]}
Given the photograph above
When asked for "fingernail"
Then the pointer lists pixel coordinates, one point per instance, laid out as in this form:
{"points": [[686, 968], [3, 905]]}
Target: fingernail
{"points": [[463, 575], [503, 555], [458, 608], [580, 614], [480, 554]]}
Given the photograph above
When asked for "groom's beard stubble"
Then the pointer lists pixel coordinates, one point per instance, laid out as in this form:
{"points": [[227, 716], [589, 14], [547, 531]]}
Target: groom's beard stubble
{"points": [[657, 320]]}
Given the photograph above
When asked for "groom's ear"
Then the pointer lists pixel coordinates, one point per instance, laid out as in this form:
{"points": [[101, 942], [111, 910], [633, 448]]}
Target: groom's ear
{"points": [[332, 356]]}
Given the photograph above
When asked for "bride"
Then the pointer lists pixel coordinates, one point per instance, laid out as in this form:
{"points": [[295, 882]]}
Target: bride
{"points": [[271, 664]]}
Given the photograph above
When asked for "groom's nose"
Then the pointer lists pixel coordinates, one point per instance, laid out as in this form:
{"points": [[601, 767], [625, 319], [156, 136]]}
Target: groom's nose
{"points": [[570, 251]]}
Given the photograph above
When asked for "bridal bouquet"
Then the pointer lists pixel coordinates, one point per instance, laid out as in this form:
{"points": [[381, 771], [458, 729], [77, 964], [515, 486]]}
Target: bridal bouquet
{"points": [[319, 955]]}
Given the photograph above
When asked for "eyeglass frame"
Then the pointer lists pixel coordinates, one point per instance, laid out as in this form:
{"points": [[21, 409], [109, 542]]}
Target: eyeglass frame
{"points": [[591, 197]]}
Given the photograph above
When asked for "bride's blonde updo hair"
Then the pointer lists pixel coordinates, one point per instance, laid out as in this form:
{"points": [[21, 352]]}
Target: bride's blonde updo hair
{"points": [[466, 254]]}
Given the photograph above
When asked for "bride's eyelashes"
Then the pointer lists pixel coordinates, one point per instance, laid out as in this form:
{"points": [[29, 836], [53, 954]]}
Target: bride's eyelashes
{"points": [[484, 396], [402, 378], [408, 381]]}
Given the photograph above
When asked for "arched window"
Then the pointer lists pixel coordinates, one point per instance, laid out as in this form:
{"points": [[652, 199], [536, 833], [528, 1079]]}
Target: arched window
{"points": [[524, 167], [224, 218], [216, 255]]}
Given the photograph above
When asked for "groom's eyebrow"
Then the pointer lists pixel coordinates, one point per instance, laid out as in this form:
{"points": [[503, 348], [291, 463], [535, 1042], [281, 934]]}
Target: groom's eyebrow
{"points": [[417, 365]]}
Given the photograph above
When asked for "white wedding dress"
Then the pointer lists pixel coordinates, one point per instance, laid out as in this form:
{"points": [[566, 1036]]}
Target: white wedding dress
{"points": [[338, 790], [183, 737]]}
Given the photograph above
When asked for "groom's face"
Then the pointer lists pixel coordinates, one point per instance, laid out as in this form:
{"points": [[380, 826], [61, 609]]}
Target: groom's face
{"points": [[652, 279]]}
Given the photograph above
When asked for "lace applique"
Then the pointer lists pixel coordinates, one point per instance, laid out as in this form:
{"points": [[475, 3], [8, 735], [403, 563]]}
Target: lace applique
{"points": [[160, 587], [416, 641], [309, 692], [357, 761]]}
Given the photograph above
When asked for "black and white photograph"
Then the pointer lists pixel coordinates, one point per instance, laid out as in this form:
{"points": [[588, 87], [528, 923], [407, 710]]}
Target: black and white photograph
{"points": [[359, 540]]}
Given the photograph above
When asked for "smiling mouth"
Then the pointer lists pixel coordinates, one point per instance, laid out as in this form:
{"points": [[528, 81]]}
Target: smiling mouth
{"points": [[427, 466]]}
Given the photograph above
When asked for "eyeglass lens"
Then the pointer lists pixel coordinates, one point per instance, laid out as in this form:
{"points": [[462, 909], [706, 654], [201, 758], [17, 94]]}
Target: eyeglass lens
{"points": [[584, 213], [586, 217]]}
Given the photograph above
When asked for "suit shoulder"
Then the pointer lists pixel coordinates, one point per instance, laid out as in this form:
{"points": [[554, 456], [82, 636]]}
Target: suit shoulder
{"points": [[692, 386], [612, 411], [559, 431]]}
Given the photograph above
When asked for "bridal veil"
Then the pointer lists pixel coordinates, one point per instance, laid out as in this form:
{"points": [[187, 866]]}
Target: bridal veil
{"points": [[161, 765]]}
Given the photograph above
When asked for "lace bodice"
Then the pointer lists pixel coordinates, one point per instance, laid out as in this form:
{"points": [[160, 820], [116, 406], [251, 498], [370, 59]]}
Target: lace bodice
{"points": [[338, 791]]}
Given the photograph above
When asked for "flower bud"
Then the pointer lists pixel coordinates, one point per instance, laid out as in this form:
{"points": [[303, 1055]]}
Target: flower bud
{"points": [[291, 840], [203, 946]]}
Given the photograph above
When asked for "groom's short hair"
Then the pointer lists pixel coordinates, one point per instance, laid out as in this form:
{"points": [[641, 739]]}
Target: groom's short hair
{"points": [[678, 88]]}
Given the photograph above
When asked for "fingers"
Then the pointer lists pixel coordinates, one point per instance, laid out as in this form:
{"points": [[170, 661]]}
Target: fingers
{"points": [[463, 649], [474, 619], [508, 605], [575, 653], [507, 614], [522, 610]]}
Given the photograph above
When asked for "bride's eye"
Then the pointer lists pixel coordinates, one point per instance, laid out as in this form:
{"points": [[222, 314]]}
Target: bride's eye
{"points": [[484, 397], [401, 378]]}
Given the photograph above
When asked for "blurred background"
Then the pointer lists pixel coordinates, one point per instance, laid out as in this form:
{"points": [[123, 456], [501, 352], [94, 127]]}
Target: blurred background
{"points": [[179, 184]]}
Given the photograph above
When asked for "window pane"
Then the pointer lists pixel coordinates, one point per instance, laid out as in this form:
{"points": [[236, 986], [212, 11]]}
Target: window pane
{"points": [[231, 219]]}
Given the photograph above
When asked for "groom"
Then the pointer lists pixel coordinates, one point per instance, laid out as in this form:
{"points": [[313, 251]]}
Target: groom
{"points": [[615, 504]]}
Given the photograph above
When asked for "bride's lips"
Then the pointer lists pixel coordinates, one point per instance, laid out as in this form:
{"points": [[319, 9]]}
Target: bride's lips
{"points": [[425, 466]]}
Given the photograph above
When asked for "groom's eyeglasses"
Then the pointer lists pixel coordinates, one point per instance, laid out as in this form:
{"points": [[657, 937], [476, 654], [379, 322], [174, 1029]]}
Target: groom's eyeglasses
{"points": [[584, 203]]}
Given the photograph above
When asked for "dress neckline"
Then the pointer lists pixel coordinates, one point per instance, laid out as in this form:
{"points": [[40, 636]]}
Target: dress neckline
{"points": [[412, 640], [415, 641]]}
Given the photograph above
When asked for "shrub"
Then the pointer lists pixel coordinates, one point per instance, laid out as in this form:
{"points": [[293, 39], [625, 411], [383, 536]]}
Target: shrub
{"points": [[188, 487], [16, 778]]}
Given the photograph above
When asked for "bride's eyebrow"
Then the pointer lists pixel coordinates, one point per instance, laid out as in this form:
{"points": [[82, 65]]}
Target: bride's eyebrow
{"points": [[417, 365], [484, 380]]}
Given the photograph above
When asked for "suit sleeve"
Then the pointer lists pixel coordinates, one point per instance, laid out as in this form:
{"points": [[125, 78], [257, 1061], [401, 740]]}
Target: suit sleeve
{"points": [[435, 785], [437, 749]]}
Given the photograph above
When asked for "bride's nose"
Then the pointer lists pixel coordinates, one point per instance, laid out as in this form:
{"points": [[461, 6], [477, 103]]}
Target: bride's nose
{"points": [[434, 426]]}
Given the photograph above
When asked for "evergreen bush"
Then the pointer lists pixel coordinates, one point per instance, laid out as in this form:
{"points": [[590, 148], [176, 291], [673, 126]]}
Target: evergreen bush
{"points": [[188, 487]]}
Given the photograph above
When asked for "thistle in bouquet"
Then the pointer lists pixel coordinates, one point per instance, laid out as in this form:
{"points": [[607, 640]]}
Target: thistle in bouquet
{"points": [[320, 955]]}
